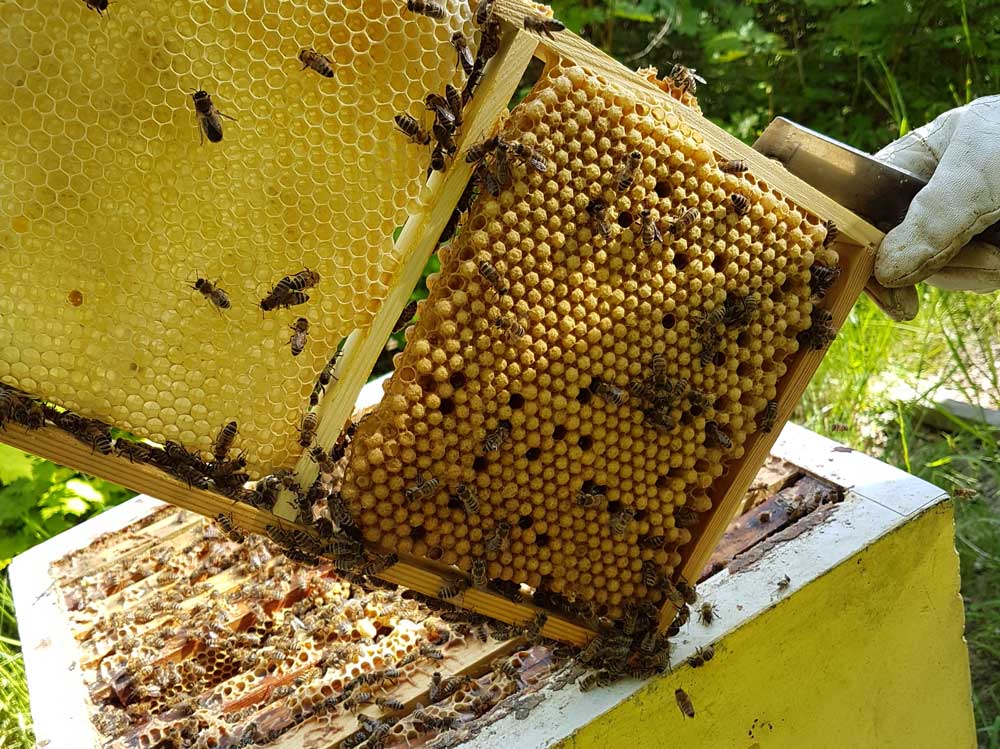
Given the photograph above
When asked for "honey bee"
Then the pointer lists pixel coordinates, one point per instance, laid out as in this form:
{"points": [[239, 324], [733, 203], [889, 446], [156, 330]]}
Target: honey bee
{"points": [[596, 679], [686, 79], [489, 45], [831, 232], [820, 333], [684, 702], [658, 367], [224, 441], [769, 416], [733, 166], [740, 310], [711, 342], [685, 222], [686, 517], [300, 334], [484, 12], [707, 613], [307, 430], [590, 494], [212, 293], [821, 278], [533, 631], [310, 58], [494, 440], [378, 564], [452, 587], [445, 139], [513, 329], [507, 667], [462, 49], [339, 512], [411, 129], [454, 99], [389, 704], [478, 573], [625, 175], [501, 164], [442, 110], [652, 542], [208, 116], [281, 297], [422, 489], [659, 417], [688, 591], [491, 274], [542, 25], [649, 574], [427, 8], [97, 5], [649, 231], [485, 176], [438, 162], [496, 542], [784, 582], [405, 316], [470, 501], [620, 520], [531, 156], [479, 151], [607, 392], [598, 211], [701, 656], [741, 203], [472, 82]]}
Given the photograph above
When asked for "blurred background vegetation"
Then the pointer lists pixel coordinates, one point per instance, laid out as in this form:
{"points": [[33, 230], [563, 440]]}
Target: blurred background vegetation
{"points": [[863, 71]]}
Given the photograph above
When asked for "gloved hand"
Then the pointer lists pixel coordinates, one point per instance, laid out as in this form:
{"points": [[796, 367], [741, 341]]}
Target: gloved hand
{"points": [[959, 154]]}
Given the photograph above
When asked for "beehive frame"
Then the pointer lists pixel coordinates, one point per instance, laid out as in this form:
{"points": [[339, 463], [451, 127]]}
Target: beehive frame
{"points": [[418, 239]]}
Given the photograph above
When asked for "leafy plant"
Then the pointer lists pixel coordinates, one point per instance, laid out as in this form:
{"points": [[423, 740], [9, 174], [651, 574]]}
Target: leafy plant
{"points": [[39, 499]]}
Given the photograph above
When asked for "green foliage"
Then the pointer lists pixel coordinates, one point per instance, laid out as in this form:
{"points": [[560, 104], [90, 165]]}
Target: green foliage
{"points": [[864, 71], [39, 499], [15, 719]]}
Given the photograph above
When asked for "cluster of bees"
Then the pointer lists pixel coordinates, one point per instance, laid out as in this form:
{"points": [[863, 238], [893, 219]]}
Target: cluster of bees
{"points": [[448, 107], [267, 644]]}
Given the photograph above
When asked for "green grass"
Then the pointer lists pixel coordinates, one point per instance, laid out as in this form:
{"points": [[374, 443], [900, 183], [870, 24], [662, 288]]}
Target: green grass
{"points": [[948, 345], [15, 720]]}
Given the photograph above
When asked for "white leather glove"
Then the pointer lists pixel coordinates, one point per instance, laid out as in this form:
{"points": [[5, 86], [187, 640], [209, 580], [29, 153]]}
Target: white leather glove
{"points": [[959, 154]]}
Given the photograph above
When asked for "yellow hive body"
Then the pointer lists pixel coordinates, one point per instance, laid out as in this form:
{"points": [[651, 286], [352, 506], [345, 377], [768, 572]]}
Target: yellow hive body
{"points": [[111, 206], [592, 310]]}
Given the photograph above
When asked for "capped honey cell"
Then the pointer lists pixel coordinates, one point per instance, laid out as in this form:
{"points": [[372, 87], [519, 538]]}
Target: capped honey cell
{"points": [[652, 352]]}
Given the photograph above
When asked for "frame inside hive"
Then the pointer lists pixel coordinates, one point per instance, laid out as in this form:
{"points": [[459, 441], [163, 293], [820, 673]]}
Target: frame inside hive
{"points": [[856, 247]]}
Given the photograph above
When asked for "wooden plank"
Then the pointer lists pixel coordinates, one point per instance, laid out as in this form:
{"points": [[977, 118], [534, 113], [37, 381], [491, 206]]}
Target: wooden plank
{"points": [[569, 46], [415, 244]]}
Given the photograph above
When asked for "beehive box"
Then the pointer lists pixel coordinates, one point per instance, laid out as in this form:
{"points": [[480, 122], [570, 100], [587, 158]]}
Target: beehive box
{"points": [[147, 624], [615, 473]]}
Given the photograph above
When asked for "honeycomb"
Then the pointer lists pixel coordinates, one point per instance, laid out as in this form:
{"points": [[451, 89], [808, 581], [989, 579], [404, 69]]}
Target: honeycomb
{"points": [[187, 639], [112, 205], [524, 383]]}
